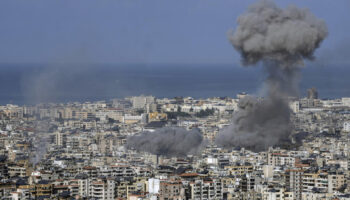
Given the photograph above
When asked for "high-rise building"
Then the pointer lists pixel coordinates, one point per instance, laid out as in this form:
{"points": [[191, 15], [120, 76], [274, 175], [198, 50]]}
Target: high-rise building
{"points": [[141, 101], [294, 182], [208, 189], [61, 139]]}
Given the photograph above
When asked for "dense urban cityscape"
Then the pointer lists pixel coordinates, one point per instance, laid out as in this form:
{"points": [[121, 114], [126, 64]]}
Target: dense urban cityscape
{"points": [[141, 100], [77, 150]]}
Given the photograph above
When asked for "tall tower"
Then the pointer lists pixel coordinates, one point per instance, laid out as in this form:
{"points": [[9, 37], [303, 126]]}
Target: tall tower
{"points": [[61, 139]]}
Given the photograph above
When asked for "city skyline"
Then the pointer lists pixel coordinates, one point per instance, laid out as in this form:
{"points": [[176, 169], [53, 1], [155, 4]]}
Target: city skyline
{"points": [[144, 100]]}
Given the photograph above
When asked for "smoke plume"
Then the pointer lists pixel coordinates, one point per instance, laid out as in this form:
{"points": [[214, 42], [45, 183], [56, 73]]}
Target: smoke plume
{"points": [[167, 141], [287, 36], [258, 124], [40, 150], [280, 39]]}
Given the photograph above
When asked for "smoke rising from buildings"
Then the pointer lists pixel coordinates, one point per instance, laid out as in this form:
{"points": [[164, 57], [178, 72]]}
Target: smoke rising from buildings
{"points": [[40, 141], [168, 141], [280, 39], [40, 150], [258, 124]]}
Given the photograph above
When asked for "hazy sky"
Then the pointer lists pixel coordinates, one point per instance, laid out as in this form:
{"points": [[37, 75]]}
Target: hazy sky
{"points": [[143, 31]]}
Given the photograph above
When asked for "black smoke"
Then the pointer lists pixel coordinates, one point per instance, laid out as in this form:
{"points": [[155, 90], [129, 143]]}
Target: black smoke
{"points": [[168, 141]]}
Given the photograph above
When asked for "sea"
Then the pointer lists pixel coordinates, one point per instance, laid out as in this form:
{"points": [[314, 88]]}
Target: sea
{"points": [[28, 84]]}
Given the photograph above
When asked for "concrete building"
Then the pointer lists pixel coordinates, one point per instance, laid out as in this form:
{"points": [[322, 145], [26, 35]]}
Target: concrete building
{"points": [[294, 182], [140, 102]]}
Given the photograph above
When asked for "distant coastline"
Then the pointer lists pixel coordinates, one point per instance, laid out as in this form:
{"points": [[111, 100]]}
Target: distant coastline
{"points": [[30, 84]]}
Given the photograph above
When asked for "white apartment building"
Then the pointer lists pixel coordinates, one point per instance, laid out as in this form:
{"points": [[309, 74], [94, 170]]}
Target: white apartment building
{"points": [[346, 126], [201, 189], [141, 101], [279, 159]]}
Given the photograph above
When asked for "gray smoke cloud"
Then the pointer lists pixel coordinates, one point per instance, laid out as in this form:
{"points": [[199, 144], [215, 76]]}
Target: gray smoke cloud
{"points": [[168, 141], [258, 124], [40, 141], [286, 36], [281, 39], [40, 150]]}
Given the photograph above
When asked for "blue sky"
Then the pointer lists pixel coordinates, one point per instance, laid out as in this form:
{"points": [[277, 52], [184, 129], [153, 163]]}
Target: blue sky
{"points": [[143, 31]]}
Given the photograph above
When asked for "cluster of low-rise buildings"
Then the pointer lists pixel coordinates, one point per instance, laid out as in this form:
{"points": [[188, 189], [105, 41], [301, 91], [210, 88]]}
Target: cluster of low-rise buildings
{"points": [[77, 151]]}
